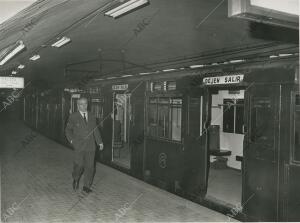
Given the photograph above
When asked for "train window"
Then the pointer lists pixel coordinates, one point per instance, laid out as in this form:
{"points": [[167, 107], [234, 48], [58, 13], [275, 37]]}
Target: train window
{"points": [[228, 116], [164, 118], [297, 136], [157, 86], [233, 116], [262, 129], [297, 130], [163, 86], [239, 116], [171, 86], [176, 119], [152, 117], [194, 116], [297, 99]]}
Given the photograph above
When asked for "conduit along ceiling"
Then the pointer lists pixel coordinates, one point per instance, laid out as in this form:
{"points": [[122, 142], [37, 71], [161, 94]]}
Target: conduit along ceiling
{"points": [[159, 35]]}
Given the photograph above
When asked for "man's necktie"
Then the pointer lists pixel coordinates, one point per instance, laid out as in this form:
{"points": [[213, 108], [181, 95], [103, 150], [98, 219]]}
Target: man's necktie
{"points": [[84, 117]]}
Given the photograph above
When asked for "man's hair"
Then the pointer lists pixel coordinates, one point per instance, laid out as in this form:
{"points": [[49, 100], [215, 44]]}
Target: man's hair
{"points": [[81, 99]]}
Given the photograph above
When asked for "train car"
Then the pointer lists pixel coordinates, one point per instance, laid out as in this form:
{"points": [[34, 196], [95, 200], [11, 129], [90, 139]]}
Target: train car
{"points": [[226, 136], [222, 137]]}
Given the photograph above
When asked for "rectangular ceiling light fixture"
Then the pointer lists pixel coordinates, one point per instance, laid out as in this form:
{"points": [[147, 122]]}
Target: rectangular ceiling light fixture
{"points": [[283, 13], [63, 41], [11, 51], [21, 66], [35, 57], [127, 6]]}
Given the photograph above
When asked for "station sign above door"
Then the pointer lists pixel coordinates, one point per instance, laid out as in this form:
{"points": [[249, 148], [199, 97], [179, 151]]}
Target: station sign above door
{"points": [[228, 79], [11, 82], [120, 87]]}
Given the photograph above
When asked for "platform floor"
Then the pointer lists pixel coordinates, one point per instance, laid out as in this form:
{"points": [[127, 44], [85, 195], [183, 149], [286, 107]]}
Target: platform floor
{"points": [[36, 187]]}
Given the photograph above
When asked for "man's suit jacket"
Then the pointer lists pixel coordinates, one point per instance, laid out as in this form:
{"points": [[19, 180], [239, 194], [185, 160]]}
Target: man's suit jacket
{"points": [[83, 135]]}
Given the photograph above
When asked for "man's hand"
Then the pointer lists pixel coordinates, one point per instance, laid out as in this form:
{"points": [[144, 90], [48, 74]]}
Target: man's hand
{"points": [[101, 146]]}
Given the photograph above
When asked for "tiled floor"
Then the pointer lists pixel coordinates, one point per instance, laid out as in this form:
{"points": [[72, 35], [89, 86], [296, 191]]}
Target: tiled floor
{"points": [[36, 187]]}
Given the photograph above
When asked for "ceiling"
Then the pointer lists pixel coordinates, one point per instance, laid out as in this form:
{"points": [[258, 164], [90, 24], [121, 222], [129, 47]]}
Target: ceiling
{"points": [[175, 33]]}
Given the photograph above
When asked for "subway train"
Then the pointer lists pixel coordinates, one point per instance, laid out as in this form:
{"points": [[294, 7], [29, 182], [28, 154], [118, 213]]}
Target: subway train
{"points": [[225, 135]]}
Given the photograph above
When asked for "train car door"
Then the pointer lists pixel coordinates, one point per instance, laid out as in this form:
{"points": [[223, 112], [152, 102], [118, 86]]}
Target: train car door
{"points": [[260, 199], [294, 167], [74, 99], [121, 117], [195, 146]]}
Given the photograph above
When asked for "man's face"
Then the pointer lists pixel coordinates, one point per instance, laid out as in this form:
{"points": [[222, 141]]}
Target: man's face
{"points": [[82, 105]]}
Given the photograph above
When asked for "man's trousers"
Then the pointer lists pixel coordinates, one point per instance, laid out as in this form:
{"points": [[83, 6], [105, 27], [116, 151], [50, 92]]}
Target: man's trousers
{"points": [[84, 162]]}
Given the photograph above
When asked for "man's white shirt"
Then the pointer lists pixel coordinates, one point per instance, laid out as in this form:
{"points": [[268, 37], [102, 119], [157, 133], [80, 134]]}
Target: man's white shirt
{"points": [[86, 115]]}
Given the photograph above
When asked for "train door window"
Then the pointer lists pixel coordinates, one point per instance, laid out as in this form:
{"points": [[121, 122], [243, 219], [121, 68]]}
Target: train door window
{"points": [[239, 116], [97, 109], [194, 118], [176, 119], [297, 130], [152, 117], [164, 118], [228, 116], [74, 99], [261, 123]]}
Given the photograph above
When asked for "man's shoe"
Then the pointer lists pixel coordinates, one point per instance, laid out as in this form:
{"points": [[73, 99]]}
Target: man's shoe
{"points": [[86, 189], [75, 185]]}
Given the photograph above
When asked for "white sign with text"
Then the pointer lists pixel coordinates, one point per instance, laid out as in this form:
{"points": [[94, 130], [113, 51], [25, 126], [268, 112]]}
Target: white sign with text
{"points": [[228, 79], [120, 87], [11, 82]]}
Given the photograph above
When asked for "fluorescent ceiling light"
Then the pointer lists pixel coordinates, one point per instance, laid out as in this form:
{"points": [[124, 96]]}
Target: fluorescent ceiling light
{"points": [[273, 56], [126, 7], [285, 54], [35, 57], [236, 61], [197, 66], [144, 73], [21, 66], [61, 42], [167, 70], [128, 75], [286, 6], [15, 50]]}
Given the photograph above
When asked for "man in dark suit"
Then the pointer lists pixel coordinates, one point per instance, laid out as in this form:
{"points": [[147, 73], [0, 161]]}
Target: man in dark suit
{"points": [[82, 132]]}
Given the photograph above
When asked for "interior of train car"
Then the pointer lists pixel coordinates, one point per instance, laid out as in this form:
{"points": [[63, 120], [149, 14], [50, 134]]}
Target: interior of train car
{"points": [[226, 144]]}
